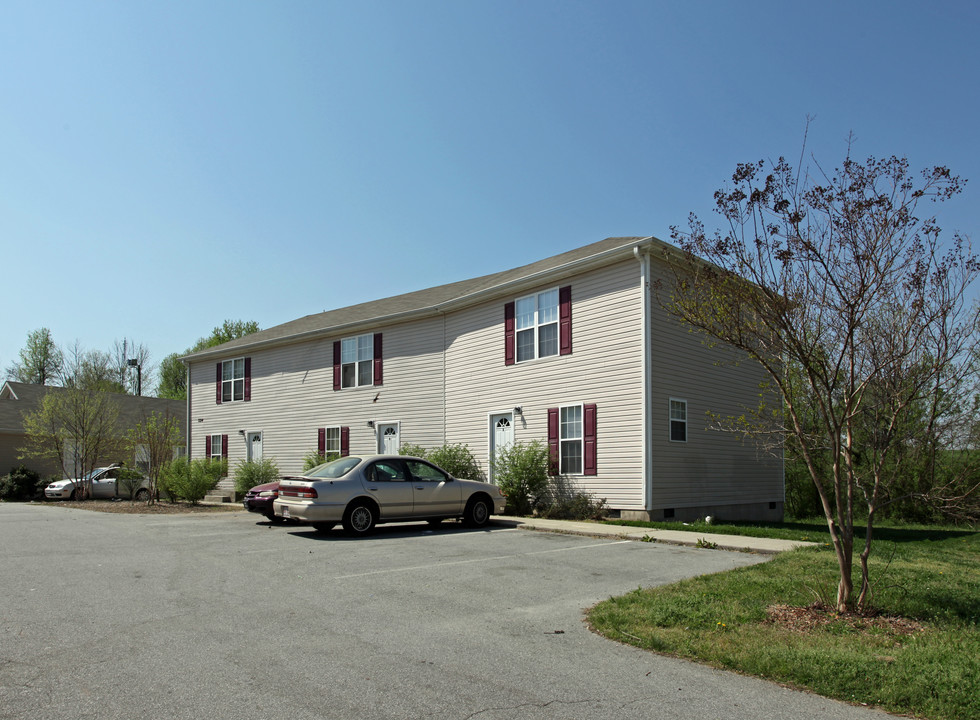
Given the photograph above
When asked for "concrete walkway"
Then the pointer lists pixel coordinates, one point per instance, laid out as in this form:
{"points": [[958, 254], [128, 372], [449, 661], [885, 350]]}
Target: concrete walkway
{"points": [[673, 537]]}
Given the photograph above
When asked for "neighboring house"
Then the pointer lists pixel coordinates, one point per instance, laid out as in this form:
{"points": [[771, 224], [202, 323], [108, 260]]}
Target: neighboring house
{"points": [[573, 350], [19, 399]]}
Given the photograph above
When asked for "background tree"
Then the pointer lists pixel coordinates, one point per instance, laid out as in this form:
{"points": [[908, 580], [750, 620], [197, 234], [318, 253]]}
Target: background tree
{"points": [[173, 374], [40, 360], [154, 440], [76, 429], [852, 306], [91, 370], [138, 378]]}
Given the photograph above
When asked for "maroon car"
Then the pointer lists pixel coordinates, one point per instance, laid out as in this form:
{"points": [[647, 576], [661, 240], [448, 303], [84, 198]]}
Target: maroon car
{"points": [[260, 498]]}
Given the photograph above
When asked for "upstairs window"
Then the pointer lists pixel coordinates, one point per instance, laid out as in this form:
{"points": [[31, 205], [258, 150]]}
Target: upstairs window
{"points": [[234, 380], [357, 361], [538, 326]]}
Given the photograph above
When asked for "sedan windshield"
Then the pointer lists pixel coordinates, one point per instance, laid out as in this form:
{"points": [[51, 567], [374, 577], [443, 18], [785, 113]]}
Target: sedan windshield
{"points": [[334, 468]]}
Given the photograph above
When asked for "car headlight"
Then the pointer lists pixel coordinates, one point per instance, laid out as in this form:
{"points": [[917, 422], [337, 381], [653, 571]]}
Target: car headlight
{"points": [[268, 493]]}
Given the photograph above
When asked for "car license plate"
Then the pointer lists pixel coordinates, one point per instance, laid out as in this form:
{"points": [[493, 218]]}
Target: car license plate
{"points": [[285, 512]]}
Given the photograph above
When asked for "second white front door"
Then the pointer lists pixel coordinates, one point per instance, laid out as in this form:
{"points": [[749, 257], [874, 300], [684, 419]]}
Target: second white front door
{"points": [[253, 446], [388, 443], [501, 435]]}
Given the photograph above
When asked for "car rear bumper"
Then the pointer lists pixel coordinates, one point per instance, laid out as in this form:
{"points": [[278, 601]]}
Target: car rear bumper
{"points": [[309, 511]]}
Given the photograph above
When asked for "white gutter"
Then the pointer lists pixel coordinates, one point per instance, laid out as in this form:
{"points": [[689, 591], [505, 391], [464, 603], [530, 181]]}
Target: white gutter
{"points": [[646, 391]]}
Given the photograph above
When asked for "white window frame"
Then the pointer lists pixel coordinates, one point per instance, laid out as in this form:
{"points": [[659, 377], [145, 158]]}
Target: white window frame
{"points": [[535, 319], [215, 447], [233, 384], [141, 458], [327, 449], [357, 352], [672, 417], [570, 439]]}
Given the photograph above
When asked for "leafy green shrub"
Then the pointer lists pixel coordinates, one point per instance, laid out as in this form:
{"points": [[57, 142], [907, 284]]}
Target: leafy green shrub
{"points": [[457, 460], [315, 457], [413, 450], [521, 471], [250, 473], [564, 502], [20, 485], [191, 480]]}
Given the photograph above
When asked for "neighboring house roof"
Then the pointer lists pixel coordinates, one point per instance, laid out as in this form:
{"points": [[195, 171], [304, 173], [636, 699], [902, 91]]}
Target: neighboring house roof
{"points": [[18, 399], [437, 299]]}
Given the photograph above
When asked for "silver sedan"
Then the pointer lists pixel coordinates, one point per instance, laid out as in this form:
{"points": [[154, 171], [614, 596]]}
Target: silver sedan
{"points": [[362, 491]]}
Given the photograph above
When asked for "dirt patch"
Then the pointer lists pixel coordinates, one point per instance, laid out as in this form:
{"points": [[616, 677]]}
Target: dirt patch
{"points": [[141, 508], [819, 616]]}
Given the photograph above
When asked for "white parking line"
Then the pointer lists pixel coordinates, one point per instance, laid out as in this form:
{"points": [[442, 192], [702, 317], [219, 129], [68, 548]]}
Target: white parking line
{"points": [[479, 560]]}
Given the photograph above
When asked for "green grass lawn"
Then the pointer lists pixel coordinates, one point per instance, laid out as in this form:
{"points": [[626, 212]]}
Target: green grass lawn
{"points": [[921, 656]]}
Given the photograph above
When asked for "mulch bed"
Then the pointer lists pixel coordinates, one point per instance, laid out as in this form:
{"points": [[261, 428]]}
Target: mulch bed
{"points": [[817, 616], [141, 508]]}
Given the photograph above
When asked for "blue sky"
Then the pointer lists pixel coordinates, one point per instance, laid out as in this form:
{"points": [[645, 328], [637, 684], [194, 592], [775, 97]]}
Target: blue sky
{"points": [[165, 166]]}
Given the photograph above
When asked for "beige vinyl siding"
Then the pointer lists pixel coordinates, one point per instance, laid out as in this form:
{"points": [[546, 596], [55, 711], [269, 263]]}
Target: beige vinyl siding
{"points": [[605, 368], [292, 396], [712, 467]]}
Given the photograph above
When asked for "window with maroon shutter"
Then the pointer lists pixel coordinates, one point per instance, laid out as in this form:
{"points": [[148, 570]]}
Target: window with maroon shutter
{"points": [[215, 446], [224, 447], [358, 361], [217, 398], [538, 326], [572, 439], [333, 442], [207, 446], [234, 380]]}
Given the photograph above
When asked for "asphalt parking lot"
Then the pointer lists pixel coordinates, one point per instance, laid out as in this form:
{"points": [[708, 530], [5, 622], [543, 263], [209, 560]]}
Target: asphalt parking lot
{"points": [[226, 616]]}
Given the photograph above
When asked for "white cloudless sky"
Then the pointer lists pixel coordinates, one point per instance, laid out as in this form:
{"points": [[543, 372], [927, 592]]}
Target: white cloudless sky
{"points": [[165, 166]]}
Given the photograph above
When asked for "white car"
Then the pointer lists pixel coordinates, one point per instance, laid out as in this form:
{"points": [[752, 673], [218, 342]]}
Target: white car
{"points": [[105, 484], [362, 491]]}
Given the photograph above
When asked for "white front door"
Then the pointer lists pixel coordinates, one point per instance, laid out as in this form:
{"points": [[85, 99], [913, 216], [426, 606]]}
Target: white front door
{"points": [[501, 435], [388, 443], [253, 446]]}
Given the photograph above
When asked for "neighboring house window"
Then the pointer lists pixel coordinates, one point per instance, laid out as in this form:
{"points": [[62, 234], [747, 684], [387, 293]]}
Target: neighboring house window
{"points": [[572, 439], [357, 361], [216, 446], [678, 420], [142, 459], [333, 442], [538, 326], [234, 380]]}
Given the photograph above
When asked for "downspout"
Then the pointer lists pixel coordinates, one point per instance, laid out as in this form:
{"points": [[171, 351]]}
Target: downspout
{"points": [[646, 379], [187, 400]]}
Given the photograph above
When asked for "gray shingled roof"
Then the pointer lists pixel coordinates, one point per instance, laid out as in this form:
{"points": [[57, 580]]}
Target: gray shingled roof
{"points": [[432, 300], [132, 409]]}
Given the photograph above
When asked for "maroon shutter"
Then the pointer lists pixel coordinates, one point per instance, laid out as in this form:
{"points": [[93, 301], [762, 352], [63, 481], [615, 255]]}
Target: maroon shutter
{"points": [[321, 441], [336, 365], [207, 446], [248, 379], [509, 355], [553, 455], [344, 441], [589, 466], [217, 398], [565, 320], [224, 447], [378, 365]]}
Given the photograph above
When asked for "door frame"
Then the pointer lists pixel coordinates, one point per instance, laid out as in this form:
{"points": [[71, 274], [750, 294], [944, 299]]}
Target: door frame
{"points": [[379, 426], [249, 444]]}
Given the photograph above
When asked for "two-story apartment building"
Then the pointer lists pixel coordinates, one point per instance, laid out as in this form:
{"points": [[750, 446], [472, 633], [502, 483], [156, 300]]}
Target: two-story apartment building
{"points": [[574, 350]]}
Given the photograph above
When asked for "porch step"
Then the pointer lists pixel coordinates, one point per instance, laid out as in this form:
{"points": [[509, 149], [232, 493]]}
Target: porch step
{"points": [[223, 492]]}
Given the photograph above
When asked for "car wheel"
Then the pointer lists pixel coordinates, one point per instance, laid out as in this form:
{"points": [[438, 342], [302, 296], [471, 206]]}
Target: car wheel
{"points": [[434, 522], [73, 495], [142, 495], [359, 518], [323, 527], [477, 513]]}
